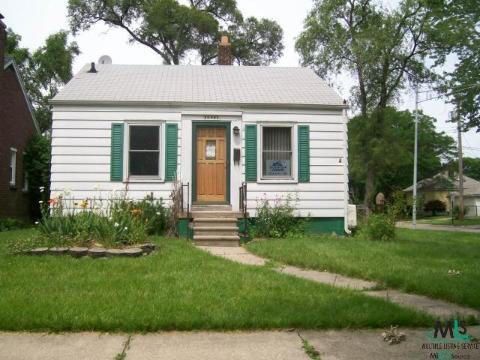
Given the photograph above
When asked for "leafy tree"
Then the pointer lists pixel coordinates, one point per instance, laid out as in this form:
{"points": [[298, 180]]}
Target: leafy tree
{"points": [[13, 50], [394, 151], [471, 167], [455, 30], [44, 70], [384, 51], [37, 167], [174, 30]]}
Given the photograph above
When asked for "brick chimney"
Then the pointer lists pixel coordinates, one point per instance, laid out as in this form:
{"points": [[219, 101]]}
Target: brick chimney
{"points": [[3, 43], [224, 51]]}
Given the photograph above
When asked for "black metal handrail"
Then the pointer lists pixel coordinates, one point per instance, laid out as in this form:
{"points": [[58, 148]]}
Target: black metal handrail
{"points": [[187, 185], [243, 206]]}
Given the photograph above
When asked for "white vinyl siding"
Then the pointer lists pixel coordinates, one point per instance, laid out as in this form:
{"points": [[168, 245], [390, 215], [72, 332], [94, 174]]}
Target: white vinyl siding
{"points": [[325, 194], [81, 154]]}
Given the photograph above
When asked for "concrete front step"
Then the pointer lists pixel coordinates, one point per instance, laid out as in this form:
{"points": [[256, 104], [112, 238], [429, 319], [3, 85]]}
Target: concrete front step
{"points": [[216, 230], [214, 222], [211, 207], [216, 240], [202, 214]]}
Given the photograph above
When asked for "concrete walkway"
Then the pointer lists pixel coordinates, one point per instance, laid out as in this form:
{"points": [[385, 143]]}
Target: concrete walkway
{"points": [[278, 345], [436, 308], [466, 229], [257, 345]]}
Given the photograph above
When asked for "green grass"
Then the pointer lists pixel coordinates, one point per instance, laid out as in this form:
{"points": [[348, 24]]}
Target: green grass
{"points": [[417, 262], [178, 287]]}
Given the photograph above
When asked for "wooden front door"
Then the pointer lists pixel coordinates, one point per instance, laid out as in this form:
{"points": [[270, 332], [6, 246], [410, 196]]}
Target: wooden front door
{"points": [[211, 164]]}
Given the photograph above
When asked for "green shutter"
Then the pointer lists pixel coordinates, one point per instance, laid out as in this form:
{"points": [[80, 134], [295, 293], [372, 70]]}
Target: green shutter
{"points": [[116, 153], [303, 153], [171, 145], [251, 152]]}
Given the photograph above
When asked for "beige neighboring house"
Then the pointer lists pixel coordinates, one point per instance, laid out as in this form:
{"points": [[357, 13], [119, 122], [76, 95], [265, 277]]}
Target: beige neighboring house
{"points": [[444, 188]]}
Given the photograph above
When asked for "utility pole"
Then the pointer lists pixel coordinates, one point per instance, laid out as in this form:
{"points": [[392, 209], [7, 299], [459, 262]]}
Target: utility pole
{"points": [[460, 167], [415, 156]]}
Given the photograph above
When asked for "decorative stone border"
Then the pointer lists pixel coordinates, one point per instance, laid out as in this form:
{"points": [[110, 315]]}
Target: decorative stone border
{"points": [[94, 252]]}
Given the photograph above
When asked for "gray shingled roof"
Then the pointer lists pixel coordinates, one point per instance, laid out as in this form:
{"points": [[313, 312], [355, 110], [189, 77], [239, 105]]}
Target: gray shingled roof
{"points": [[198, 84]]}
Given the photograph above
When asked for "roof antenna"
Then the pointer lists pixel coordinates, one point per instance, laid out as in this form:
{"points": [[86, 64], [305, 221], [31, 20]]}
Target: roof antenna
{"points": [[92, 68]]}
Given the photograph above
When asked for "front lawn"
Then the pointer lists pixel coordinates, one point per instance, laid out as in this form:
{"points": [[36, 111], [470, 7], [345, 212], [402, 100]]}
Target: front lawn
{"points": [[178, 287], [417, 262]]}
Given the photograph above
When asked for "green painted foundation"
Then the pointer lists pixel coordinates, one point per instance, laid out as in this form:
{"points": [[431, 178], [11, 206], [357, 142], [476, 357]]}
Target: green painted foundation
{"points": [[325, 225], [312, 226], [183, 228]]}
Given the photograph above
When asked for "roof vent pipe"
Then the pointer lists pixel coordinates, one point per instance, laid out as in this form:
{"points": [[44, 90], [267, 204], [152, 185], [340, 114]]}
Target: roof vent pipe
{"points": [[92, 68]]}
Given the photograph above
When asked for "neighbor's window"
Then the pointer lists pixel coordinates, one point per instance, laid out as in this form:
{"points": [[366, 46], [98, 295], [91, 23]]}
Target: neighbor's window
{"points": [[13, 165], [144, 150], [277, 152]]}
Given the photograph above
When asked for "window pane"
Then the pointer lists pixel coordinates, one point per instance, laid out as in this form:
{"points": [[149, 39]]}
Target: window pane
{"points": [[144, 163], [210, 150], [144, 138], [277, 151], [277, 138], [13, 163]]}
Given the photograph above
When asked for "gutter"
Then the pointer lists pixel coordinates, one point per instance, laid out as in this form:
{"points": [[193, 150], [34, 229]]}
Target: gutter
{"points": [[194, 104]]}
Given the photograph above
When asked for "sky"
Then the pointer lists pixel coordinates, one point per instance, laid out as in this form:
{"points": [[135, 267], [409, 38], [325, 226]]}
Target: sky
{"points": [[34, 20]]}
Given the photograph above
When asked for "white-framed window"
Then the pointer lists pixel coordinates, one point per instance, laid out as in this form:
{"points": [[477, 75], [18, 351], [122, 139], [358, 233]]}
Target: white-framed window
{"points": [[13, 166], [277, 146], [144, 150]]}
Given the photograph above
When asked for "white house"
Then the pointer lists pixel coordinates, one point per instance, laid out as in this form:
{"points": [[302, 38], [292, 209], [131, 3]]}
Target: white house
{"points": [[280, 130]]}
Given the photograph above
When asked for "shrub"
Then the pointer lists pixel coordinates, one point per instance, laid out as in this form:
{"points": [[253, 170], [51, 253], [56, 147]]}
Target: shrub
{"points": [[149, 211], [435, 206], [400, 206], [277, 220], [378, 227], [37, 167], [7, 224]]}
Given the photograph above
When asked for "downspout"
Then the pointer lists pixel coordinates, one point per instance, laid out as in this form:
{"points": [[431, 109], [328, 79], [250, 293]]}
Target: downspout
{"points": [[345, 169]]}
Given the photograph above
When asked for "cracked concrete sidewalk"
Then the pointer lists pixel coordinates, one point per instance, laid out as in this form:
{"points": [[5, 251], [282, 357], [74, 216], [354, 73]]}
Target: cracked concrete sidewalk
{"points": [[434, 307], [453, 228], [258, 345]]}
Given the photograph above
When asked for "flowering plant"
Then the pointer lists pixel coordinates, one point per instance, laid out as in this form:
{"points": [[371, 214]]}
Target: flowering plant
{"points": [[86, 222]]}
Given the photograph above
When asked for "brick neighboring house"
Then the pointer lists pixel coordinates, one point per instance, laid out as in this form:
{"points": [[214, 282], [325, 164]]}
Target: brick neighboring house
{"points": [[17, 126]]}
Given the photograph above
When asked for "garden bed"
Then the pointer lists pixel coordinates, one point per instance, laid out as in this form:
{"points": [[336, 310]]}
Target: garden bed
{"points": [[94, 252], [95, 227]]}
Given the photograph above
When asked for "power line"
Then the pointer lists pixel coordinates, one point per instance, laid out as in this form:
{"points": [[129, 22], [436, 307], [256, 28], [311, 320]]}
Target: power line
{"points": [[455, 91]]}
